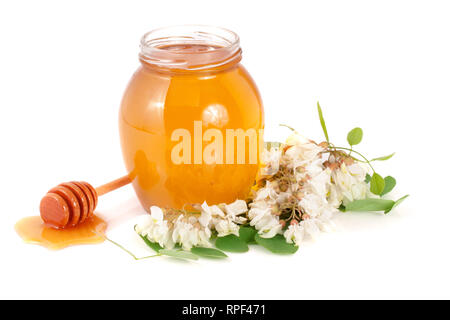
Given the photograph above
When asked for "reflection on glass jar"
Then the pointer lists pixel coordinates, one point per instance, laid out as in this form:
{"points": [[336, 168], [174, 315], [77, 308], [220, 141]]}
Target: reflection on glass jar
{"points": [[190, 82]]}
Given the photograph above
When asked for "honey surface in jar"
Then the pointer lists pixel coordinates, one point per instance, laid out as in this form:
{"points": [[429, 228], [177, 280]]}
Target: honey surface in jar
{"points": [[33, 230], [160, 100]]}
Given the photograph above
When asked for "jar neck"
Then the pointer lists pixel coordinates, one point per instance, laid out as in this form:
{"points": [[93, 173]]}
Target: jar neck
{"points": [[187, 49]]}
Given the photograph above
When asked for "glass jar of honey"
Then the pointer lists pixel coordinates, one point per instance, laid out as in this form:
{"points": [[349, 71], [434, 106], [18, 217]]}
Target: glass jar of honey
{"points": [[191, 119]]}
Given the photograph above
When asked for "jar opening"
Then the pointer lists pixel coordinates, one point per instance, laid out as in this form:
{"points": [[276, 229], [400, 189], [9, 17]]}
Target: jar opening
{"points": [[190, 47]]}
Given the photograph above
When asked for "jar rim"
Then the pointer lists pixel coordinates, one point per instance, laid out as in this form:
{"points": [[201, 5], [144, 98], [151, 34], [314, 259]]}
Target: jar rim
{"points": [[221, 47]]}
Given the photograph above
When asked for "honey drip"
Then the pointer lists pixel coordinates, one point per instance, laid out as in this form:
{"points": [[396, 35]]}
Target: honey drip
{"points": [[33, 230]]}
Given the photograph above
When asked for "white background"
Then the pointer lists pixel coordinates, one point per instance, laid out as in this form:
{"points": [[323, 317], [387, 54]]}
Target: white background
{"points": [[380, 65]]}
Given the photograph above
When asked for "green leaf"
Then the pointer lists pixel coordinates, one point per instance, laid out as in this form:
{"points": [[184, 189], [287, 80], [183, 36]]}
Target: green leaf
{"points": [[155, 246], [247, 234], [374, 204], [208, 253], [178, 254], [322, 122], [276, 244], [383, 158], [231, 243], [389, 184], [355, 136], [376, 184], [396, 203], [368, 178]]}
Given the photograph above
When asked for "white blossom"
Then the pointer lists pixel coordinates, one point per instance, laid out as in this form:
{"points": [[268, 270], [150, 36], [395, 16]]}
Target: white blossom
{"points": [[271, 160], [294, 234], [224, 223], [311, 227], [267, 192], [206, 215], [263, 220], [225, 227], [235, 210], [349, 183], [268, 226], [155, 228], [188, 235]]}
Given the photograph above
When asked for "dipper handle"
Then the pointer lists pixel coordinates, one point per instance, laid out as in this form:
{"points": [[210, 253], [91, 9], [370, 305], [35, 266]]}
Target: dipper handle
{"points": [[71, 203], [113, 185]]}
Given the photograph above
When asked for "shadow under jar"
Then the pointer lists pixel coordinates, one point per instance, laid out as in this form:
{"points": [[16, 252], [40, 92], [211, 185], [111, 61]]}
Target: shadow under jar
{"points": [[189, 93]]}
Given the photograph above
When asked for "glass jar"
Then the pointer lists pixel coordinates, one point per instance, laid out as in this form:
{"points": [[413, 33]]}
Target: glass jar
{"points": [[189, 93]]}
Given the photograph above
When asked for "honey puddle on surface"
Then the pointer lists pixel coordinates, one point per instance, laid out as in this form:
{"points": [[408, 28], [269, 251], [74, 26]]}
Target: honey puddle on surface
{"points": [[33, 230]]}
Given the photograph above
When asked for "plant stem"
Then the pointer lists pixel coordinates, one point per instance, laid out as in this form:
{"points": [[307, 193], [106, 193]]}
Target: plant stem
{"points": [[285, 125], [146, 257], [351, 150], [126, 250]]}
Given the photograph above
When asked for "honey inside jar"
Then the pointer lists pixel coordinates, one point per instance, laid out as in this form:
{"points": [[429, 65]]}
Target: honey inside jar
{"points": [[190, 79]]}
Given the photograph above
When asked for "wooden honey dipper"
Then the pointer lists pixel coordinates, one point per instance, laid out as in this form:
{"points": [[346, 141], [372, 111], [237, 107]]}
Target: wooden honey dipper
{"points": [[71, 203]]}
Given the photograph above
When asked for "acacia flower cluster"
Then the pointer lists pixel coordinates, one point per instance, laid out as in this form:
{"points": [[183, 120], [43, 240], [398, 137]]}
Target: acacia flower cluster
{"points": [[169, 227], [300, 198]]}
